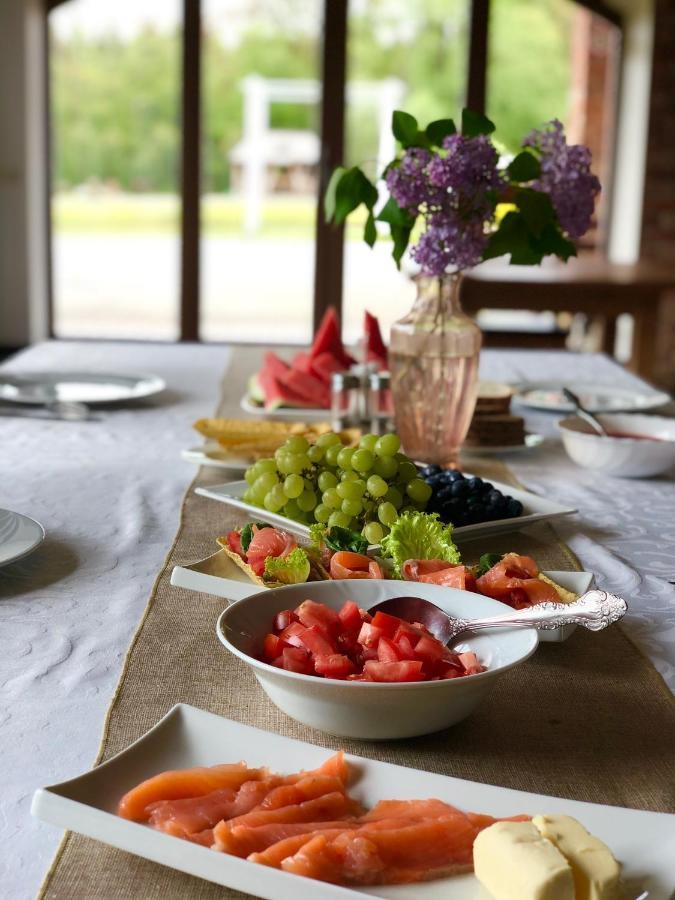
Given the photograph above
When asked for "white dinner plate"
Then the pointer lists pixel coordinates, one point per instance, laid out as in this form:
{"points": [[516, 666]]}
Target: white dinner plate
{"points": [[283, 414], [220, 576], [535, 509], [643, 841], [597, 398], [531, 441], [211, 453], [19, 536], [80, 387]]}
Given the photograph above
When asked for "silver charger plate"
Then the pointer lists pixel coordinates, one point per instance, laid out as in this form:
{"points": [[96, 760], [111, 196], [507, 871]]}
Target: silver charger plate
{"points": [[79, 387], [19, 536]]}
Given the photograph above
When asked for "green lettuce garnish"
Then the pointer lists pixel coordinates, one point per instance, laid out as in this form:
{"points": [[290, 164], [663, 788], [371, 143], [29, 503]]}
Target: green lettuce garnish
{"points": [[337, 538], [418, 535], [487, 561], [290, 569]]}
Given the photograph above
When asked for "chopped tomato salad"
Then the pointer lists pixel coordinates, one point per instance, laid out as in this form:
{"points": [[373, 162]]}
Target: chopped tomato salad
{"points": [[353, 645]]}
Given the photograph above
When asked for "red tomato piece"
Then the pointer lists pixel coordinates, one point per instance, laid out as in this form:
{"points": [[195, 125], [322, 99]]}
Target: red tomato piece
{"points": [[283, 619], [405, 647], [388, 624], [470, 662], [428, 649], [365, 616], [350, 617], [405, 670], [295, 659], [387, 651], [311, 613], [291, 635], [273, 646], [405, 628], [334, 665], [369, 635], [234, 543], [314, 639]]}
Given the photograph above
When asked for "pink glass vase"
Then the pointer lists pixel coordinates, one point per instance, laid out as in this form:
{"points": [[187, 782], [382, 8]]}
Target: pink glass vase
{"points": [[433, 360]]}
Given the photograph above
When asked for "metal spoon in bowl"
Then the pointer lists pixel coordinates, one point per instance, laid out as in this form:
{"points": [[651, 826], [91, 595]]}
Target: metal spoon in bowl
{"points": [[583, 413], [594, 610]]}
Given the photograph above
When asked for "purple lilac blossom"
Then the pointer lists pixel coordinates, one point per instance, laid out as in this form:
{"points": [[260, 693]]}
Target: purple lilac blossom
{"points": [[450, 241], [566, 177], [408, 182]]}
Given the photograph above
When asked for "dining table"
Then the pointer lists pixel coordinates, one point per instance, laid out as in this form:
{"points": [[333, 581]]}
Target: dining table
{"points": [[108, 492]]}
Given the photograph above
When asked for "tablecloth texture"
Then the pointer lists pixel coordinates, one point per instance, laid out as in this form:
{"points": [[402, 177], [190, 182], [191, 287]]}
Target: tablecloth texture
{"points": [[109, 493]]}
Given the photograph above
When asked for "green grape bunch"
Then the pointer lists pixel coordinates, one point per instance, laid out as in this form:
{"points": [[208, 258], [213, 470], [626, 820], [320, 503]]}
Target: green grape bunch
{"points": [[362, 488]]}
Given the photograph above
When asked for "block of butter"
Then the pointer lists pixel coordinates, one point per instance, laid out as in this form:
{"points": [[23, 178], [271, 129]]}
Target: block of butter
{"points": [[514, 862], [596, 873]]}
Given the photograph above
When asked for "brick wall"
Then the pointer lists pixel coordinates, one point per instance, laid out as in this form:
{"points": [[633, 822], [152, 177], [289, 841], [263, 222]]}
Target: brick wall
{"points": [[658, 222]]}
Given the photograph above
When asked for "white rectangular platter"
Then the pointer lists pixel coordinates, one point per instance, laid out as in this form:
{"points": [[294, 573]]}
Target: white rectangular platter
{"points": [[535, 509], [643, 841], [218, 575]]}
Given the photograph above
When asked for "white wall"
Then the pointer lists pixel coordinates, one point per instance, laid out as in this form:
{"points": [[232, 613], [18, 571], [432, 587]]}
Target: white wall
{"points": [[23, 281]]}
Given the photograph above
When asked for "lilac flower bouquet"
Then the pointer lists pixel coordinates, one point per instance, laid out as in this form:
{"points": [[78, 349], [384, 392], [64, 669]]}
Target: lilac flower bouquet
{"points": [[455, 183]]}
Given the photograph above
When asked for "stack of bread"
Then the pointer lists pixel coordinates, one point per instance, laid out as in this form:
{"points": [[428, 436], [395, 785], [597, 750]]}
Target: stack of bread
{"points": [[492, 424]]}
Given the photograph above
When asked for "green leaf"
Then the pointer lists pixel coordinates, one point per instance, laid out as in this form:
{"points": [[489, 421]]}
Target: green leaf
{"points": [[329, 196], [404, 127], [487, 561], [353, 189], [440, 129], [246, 535], [392, 213], [474, 123], [536, 208], [370, 231], [524, 167], [552, 241], [513, 237], [338, 538], [401, 236]]}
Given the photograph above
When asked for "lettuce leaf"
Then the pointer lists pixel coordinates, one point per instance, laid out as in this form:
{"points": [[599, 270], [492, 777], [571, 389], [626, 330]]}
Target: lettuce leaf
{"points": [[291, 569], [418, 535], [337, 538], [486, 562]]}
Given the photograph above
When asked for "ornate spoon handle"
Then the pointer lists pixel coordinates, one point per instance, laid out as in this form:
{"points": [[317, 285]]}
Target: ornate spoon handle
{"points": [[594, 610]]}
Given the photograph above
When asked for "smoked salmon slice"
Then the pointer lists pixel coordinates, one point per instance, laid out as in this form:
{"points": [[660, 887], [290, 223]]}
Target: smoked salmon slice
{"points": [[438, 571], [190, 815], [307, 788], [514, 581], [242, 840], [180, 783], [346, 564]]}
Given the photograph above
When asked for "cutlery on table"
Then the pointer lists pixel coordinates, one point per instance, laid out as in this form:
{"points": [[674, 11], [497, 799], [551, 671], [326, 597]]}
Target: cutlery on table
{"points": [[65, 410], [594, 610], [583, 413]]}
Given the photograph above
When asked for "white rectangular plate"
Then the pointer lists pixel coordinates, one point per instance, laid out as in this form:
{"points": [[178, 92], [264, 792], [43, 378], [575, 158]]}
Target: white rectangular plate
{"points": [[215, 574], [535, 509], [211, 453], [643, 841]]}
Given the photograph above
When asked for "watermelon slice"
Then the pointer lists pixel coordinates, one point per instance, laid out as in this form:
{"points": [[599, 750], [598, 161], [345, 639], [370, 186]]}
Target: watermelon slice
{"points": [[275, 365], [306, 386], [375, 348], [302, 363], [277, 394], [328, 340], [324, 365]]}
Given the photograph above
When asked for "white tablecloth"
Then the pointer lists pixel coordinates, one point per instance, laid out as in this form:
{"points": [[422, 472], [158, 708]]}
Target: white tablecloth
{"points": [[108, 494]]}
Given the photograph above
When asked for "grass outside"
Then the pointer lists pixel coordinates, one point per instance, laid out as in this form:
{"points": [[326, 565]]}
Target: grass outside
{"points": [[222, 214]]}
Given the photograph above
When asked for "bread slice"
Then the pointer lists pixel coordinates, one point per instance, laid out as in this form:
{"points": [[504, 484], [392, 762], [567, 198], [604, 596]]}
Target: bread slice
{"points": [[565, 595]]}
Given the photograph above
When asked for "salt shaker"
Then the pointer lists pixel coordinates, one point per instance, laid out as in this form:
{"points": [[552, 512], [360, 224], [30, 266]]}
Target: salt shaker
{"points": [[346, 400], [380, 404]]}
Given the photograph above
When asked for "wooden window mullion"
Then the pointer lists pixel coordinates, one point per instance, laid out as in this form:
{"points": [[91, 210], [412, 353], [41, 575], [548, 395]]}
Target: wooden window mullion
{"points": [[329, 240], [190, 171]]}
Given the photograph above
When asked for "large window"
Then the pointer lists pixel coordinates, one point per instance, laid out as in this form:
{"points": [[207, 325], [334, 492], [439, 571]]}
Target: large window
{"points": [[192, 139]]}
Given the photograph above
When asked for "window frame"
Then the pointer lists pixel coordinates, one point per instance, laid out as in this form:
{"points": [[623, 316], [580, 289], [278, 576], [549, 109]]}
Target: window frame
{"points": [[329, 240]]}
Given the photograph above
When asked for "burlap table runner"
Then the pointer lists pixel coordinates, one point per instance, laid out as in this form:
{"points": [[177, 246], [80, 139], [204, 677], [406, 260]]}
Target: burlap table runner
{"points": [[589, 719]]}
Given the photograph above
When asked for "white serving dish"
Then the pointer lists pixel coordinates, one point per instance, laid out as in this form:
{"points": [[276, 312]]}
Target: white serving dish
{"points": [[535, 509], [532, 440], [186, 737], [548, 396], [19, 536], [623, 457], [283, 414], [211, 453], [80, 387], [218, 575], [368, 710]]}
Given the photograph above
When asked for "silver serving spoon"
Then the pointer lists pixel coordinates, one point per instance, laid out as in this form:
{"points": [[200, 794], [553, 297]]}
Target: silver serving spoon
{"points": [[583, 413], [594, 610]]}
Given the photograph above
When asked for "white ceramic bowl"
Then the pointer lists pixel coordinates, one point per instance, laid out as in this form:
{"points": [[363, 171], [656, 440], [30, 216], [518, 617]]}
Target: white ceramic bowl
{"points": [[623, 457], [373, 711]]}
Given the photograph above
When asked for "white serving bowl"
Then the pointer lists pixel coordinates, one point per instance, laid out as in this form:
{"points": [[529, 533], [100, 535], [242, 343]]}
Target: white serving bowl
{"points": [[623, 457], [373, 711]]}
